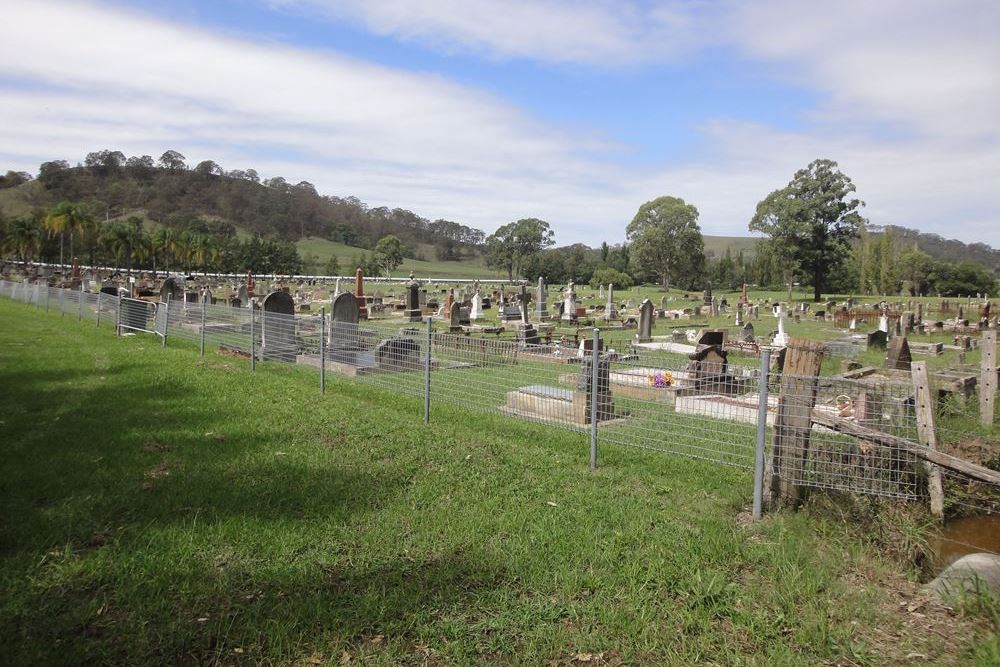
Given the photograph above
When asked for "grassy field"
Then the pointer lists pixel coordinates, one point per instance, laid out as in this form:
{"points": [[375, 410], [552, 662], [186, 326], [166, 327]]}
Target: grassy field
{"points": [[160, 508], [316, 252]]}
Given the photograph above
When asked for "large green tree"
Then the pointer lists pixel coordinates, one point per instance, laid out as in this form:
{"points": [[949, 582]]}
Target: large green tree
{"points": [[389, 253], [814, 217], [667, 242], [512, 244]]}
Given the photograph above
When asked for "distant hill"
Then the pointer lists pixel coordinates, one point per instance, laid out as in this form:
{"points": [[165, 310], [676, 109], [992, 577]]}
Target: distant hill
{"points": [[939, 247], [170, 194]]}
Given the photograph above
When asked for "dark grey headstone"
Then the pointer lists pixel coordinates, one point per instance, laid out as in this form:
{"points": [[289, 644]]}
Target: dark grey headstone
{"points": [[278, 327], [398, 354], [345, 308], [645, 321], [878, 339], [171, 289]]}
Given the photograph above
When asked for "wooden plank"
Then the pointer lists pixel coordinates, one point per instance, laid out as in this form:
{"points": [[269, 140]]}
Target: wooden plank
{"points": [[971, 470], [988, 379], [793, 424], [927, 433]]}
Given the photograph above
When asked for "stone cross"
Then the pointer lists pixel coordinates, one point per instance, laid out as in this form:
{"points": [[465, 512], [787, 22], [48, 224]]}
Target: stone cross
{"points": [[781, 338]]}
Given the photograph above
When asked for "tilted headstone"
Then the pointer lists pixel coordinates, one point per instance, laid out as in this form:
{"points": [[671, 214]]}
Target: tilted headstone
{"points": [[455, 317]]}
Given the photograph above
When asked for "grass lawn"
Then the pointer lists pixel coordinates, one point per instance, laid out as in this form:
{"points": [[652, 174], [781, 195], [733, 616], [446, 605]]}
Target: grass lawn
{"points": [[316, 252], [161, 508]]}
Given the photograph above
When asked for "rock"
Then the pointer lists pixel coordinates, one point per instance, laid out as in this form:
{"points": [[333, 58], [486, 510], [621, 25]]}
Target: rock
{"points": [[975, 573]]}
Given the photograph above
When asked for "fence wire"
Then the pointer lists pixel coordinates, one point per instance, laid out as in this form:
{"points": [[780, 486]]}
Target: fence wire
{"points": [[850, 435]]}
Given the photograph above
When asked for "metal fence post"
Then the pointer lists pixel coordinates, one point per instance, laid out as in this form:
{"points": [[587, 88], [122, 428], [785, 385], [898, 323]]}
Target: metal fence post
{"points": [[166, 319], [62, 297], [79, 309], [47, 294], [201, 343], [253, 343], [758, 459], [118, 315], [427, 370], [322, 350], [595, 362], [99, 295]]}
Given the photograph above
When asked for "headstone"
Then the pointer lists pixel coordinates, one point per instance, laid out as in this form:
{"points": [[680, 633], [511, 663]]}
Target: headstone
{"points": [[476, 310], [278, 327], [569, 302], [336, 287], [899, 356], [541, 301], [645, 321], [585, 386], [883, 323], [172, 290], [877, 340], [207, 297], [610, 309], [706, 296], [747, 333], [455, 317], [413, 312], [243, 296], [398, 354], [359, 292], [524, 298], [781, 338], [528, 335]]}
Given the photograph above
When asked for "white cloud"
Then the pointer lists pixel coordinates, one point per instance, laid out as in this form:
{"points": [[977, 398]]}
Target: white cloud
{"points": [[113, 79], [595, 32]]}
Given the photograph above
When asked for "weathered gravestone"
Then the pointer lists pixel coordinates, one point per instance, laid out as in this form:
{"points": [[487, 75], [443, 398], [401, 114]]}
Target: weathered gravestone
{"points": [[413, 312], [898, 356], [747, 333], [172, 290], [541, 300], [585, 387], [455, 321], [398, 354], [877, 340], [343, 335], [278, 327], [645, 321]]}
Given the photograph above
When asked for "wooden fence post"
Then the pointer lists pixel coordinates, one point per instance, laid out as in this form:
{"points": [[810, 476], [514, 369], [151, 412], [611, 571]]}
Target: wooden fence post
{"points": [[927, 433], [988, 379], [793, 424]]}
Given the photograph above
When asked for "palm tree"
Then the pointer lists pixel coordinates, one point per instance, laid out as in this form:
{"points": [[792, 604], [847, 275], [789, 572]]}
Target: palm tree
{"points": [[24, 238], [162, 245], [67, 216], [206, 250]]}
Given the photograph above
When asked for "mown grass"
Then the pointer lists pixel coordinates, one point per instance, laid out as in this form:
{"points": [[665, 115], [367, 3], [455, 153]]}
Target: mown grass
{"points": [[160, 508]]}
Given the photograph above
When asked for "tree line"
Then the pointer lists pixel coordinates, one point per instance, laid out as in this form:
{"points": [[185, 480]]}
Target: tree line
{"points": [[814, 234], [167, 190], [69, 230]]}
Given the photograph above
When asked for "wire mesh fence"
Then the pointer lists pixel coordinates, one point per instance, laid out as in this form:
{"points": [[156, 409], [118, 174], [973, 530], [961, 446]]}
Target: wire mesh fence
{"points": [[855, 435]]}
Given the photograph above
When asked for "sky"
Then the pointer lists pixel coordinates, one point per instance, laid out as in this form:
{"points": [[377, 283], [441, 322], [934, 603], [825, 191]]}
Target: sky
{"points": [[487, 111]]}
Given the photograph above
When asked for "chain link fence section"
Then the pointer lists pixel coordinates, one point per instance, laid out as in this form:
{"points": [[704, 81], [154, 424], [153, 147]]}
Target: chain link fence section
{"points": [[854, 435]]}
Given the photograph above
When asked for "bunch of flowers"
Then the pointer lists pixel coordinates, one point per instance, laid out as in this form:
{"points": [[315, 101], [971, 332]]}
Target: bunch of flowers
{"points": [[661, 379]]}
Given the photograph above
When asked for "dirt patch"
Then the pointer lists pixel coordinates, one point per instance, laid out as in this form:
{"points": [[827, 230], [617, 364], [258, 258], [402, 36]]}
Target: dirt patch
{"points": [[975, 450], [915, 627], [154, 446]]}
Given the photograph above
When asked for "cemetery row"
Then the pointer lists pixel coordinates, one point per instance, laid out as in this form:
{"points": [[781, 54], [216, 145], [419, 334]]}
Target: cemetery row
{"points": [[860, 431]]}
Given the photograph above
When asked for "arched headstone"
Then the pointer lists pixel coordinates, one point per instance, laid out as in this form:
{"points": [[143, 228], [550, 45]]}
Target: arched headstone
{"points": [[278, 327], [171, 289]]}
